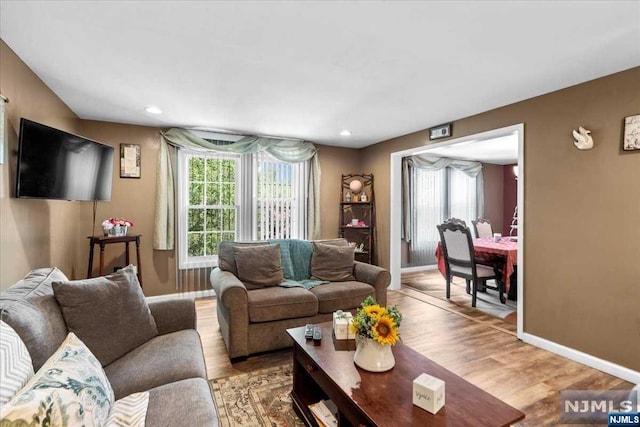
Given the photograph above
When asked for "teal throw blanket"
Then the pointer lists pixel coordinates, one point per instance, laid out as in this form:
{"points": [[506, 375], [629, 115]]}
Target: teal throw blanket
{"points": [[296, 263]]}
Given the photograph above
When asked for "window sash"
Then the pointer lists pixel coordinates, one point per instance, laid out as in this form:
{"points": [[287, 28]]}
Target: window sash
{"points": [[185, 206]]}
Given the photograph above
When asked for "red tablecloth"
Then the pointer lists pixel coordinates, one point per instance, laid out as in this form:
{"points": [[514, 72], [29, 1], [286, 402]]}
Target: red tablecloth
{"points": [[486, 247]]}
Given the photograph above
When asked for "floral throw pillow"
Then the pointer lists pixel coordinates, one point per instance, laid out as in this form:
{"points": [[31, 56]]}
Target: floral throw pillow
{"points": [[71, 388]]}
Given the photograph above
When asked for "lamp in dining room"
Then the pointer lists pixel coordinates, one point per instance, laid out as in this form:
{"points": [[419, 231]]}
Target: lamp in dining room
{"points": [[515, 171]]}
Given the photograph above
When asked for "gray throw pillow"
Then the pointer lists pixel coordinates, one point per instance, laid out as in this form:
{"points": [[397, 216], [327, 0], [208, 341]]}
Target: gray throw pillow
{"points": [[259, 266], [109, 314], [226, 258], [339, 241], [331, 262]]}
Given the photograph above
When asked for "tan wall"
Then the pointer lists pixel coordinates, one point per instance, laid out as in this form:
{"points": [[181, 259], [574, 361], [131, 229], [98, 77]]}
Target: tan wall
{"points": [[493, 193], [30, 228], [334, 161], [581, 276], [134, 199]]}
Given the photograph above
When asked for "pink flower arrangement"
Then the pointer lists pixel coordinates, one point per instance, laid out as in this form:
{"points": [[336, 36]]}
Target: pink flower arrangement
{"points": [[108, 224]]}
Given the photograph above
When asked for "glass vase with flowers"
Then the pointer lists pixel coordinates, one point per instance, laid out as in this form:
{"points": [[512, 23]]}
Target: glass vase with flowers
{"points": [[116, 226]]}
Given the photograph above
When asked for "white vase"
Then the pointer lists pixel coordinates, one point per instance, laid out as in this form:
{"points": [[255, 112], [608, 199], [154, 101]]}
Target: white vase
{"points": [[373, 356]]}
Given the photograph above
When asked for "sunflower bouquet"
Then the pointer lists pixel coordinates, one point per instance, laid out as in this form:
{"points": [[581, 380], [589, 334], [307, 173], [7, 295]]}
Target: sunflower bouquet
{"points": [[376, 322]]}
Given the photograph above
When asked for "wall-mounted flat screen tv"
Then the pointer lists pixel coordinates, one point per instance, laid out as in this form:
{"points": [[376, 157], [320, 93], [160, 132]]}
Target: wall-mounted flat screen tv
{"points": [[53, 164]]}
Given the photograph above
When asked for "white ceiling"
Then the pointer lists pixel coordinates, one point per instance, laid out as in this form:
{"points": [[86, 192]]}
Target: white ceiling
{"points": [[500, 151], [311, 69]]}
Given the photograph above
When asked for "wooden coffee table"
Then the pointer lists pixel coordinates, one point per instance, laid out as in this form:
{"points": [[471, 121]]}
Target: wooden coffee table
{"points": [[327, 371]]}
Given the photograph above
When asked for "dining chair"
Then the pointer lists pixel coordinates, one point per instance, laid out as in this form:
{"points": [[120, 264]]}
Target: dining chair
{"points": [[482, 228], [457, 221], [457, 249]]}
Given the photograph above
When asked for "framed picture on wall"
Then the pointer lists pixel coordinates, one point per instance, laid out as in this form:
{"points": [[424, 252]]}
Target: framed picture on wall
{"points": [[631, 133], [129, 161]]}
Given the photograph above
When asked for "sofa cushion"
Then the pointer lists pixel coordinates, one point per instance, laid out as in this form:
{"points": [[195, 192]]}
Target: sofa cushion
{"points": [[182, 403], [71, 389], [341, 295], [331, 262], [16, 367], [109, 314], [30, 308], [161, 360], [278, 303], [259, 266]]}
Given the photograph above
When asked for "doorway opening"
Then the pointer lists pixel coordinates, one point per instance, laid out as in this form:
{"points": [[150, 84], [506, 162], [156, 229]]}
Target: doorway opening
{"points": [[489, 147]]}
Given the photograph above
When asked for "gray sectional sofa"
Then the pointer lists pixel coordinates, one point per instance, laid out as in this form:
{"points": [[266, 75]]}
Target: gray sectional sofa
{"points": [[254, 318], [170, 365]]}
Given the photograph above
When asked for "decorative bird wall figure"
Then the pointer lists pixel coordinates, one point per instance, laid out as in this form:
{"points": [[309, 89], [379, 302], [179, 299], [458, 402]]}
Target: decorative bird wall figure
{"points": [[583, 140]]}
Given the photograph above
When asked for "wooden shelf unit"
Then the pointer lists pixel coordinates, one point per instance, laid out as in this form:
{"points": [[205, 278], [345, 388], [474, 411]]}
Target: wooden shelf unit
{"points": [[353, 208]]}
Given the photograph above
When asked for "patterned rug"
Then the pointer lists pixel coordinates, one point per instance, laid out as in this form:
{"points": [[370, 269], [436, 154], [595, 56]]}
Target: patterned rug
{"points": [[258, 398]]}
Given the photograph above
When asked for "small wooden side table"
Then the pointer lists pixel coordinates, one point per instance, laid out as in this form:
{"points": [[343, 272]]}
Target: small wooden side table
{"points": [[106, 240]]}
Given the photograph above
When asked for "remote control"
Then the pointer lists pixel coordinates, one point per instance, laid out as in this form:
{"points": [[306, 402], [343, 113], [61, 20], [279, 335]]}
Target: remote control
{"points": [[308, 332], [317, 335]]}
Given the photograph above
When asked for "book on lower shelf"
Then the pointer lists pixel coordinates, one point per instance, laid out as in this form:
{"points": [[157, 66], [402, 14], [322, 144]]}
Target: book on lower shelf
{"points": [[325, 413]]}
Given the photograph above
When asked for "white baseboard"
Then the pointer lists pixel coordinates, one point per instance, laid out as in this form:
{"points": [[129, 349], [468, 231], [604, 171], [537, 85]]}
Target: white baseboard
{"points": [[584, 358], [418, 268], [186, 295]]}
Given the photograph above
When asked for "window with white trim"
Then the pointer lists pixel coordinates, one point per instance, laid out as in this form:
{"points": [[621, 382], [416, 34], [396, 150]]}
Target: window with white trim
{"points": [[224, 196], [435, 197]]}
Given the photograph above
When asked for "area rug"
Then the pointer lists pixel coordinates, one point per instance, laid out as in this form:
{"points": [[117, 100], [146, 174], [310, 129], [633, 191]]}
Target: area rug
{"points": [[433, 284], [257, 398]]}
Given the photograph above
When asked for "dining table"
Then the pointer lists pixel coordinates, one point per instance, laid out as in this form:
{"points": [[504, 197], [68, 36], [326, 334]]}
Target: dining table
{"points": [[486, 247]]}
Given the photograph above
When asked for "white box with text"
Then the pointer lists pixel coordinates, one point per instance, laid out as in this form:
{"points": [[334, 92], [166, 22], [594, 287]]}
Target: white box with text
{"points": [[428, 393]]}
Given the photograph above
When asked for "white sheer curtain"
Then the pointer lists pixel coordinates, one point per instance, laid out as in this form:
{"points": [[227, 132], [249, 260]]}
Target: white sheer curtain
{"points": [[277, 188], [428, 208], [434, 189], [463, 200]]}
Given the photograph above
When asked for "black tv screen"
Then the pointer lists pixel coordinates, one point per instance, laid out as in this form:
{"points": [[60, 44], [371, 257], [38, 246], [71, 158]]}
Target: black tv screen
{"points": [[53, 164]]}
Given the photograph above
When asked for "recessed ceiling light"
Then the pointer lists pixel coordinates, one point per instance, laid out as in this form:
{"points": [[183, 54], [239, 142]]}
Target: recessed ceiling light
{"points": [[345, 133], [153, 110]]}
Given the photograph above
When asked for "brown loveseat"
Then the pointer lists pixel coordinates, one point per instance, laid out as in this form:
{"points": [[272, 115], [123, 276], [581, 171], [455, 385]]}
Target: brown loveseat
{"points": [[254, 318]]}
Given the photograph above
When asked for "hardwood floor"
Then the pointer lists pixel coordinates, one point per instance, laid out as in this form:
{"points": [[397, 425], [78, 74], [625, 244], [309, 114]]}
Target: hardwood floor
{"points": [[524, 376], [457, 304]]}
